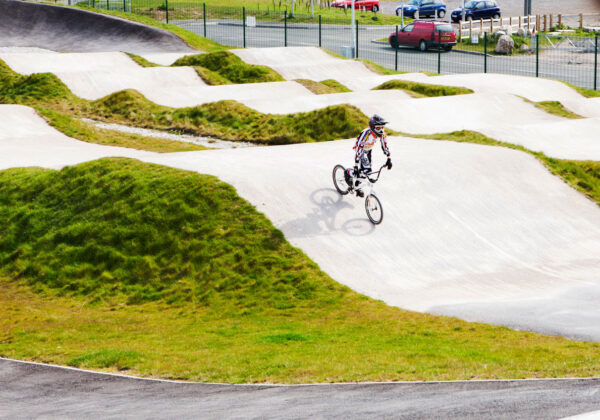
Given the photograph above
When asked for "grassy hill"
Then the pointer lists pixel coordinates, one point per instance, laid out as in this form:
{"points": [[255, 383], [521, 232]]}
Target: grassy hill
{"points": [[120, 265]]}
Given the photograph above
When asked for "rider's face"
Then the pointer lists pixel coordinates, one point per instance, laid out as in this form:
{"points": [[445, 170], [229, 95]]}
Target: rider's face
{"points": [[379, 128]]}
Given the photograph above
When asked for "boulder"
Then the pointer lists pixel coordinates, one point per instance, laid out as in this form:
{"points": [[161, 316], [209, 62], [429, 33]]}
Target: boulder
{"points": [[521, 32], [507, 29], [524, 48], [505, 45], [499, 34]]}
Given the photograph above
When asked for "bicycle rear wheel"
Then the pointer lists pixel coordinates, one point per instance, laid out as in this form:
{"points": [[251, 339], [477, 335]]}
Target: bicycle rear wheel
{"points": [[339, 179], [374, 209]]}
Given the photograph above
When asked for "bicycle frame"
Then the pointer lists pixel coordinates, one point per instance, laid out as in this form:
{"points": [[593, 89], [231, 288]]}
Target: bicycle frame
{"points": [[371, 181]]}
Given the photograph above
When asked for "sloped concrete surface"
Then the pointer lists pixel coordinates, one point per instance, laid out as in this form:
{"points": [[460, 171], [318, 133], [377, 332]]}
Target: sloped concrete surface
{"points": [[484, 233], [66, 29], [30, 390]]}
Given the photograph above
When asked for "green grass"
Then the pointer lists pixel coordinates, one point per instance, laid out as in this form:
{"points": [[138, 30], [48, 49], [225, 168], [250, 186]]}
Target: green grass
{"points": [[141, 61], [492, 41], [556, 108], [122, 265], [584, 176], [227, 120], [588, 93], [263, 10], [230, 67], [323, 87], [422, 90]]}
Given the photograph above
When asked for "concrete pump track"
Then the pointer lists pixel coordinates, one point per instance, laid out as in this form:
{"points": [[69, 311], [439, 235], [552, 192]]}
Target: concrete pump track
{"points": [[481, 233]]}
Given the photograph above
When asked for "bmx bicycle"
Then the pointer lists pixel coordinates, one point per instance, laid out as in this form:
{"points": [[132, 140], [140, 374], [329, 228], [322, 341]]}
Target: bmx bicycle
{"points": [[362, 185]]}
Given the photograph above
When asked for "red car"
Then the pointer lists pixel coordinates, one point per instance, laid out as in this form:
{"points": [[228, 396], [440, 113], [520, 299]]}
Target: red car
{"points": [[371, 5], [423, 35]]}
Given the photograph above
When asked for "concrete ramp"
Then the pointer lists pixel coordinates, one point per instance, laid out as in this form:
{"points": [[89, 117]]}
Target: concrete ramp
{"points": [[27, 140], [304, 63], [70, 30], [482, 233]]}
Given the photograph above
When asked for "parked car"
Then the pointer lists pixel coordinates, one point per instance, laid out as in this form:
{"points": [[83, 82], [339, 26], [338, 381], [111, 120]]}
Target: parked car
{"points": [[424, 7], [477, 9], [423, 35], [371, 5]]}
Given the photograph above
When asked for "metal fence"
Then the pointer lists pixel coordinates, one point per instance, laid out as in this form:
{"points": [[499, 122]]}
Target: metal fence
{"points": [[571, 57]]}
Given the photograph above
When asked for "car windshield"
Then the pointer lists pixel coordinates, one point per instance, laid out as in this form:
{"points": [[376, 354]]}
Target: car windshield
{"points": [[444, 28], [413, 3], [470, 4]]}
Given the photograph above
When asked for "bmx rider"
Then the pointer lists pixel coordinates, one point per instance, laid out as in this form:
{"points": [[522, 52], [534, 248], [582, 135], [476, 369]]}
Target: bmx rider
{"points": [[364, 144]]}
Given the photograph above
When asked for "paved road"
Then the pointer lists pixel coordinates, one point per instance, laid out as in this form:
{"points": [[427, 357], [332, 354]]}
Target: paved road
{"points": [[562, 64], [34, 391]]}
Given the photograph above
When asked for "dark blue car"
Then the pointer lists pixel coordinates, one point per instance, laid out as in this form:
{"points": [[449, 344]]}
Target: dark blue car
{"points": [[477, 9], [424, 7]]}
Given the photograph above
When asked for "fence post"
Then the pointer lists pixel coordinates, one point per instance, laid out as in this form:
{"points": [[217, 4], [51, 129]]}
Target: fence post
{"points": [[439, 52], [471, 28], [485, 52], [204, 17], [520, 22], [581, 21], [560, 20], [537, 55], [596, 61], [396, 51], [124, 10], [166, 7], [480, 26], [285, 28], [460, 31], [550, 21], [244, 24], [319, 30], [545, 23], [356, 38]]}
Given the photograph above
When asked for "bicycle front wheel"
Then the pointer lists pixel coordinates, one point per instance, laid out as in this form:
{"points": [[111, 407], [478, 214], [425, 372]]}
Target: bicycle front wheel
{"points": [[374, 209], [339, 179]]}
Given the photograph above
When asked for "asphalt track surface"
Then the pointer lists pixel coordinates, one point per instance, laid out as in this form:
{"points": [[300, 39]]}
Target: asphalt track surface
{"points": [[66, 29], [41, 391], [557, 283]]}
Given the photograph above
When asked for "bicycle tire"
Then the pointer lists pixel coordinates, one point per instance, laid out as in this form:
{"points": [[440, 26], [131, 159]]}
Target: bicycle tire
{"points": [[339, 180], [374, 209]]}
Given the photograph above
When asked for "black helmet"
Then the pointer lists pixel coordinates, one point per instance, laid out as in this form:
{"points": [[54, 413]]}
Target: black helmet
{"points": [[376, 124]]}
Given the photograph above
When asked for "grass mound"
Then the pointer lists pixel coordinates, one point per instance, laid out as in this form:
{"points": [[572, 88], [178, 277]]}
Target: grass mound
{"points": [[230, 67], [228, 120], [323, 87], [422, 90], [231, 120], [122, 265], [120, 229], [556, 108]]}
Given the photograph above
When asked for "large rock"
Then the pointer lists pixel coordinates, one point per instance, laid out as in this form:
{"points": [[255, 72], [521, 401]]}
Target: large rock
{"points": [[505, 45], [521, 32]]}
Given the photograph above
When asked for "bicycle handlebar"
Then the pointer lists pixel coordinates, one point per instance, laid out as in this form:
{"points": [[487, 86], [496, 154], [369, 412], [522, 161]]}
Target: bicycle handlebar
{"points": [[375, 172]]}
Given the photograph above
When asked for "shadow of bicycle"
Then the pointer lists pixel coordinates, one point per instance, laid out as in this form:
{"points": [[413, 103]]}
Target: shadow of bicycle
{"points": [[322, 219]]}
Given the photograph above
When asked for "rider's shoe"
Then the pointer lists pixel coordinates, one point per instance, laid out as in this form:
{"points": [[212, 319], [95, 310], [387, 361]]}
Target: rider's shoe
{"points": [[348, 178], [360, 193]]}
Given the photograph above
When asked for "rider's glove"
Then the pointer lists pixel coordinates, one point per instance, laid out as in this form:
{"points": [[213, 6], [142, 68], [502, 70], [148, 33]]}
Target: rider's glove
{"points": [[355, 170], [388, 163]]}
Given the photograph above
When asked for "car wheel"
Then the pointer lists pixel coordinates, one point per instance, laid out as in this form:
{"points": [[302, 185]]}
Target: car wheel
{"points": [[447, 47], [422, 45], [375, 9], [394, 42], [397, 13], [496, 16], [441, 13]]}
